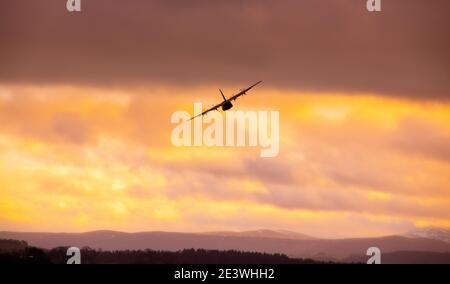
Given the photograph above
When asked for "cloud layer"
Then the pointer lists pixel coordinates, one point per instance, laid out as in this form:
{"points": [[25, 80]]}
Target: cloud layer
{"points": [[82, 158], [86, 100], [301, 45]]}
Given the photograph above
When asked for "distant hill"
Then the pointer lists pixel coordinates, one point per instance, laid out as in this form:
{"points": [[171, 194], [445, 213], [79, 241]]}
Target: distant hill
{"points": [[431, 233], [275, 234], [323, 249]]}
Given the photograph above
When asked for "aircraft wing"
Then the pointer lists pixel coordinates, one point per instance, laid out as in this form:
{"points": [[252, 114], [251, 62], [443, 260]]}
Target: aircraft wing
{"points": [[233, 98], [206, 111]]}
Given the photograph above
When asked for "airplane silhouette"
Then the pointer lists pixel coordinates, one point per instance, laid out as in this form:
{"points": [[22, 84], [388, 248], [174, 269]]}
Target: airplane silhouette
{"points": [[226, 104]]}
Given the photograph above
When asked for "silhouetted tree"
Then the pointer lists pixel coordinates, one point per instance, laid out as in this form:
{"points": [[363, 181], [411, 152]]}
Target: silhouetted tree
{"points": [[29, 254]]}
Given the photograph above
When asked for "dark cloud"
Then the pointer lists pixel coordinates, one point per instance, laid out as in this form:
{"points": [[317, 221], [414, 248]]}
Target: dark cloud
{"points": [[420, 137], [70, 127], [267, 172], [26, 115], [336, 199], [318, 198], [325, 45]]}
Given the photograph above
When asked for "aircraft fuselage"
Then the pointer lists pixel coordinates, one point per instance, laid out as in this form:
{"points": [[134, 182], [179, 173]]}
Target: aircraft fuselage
{"points": [[227, 105]]}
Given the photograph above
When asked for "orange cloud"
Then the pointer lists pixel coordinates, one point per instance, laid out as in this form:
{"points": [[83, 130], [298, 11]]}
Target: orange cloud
{"points": [[83, 158]]}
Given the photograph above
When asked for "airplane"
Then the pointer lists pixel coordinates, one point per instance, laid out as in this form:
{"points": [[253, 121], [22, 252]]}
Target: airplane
{"points": [[226, 104]]}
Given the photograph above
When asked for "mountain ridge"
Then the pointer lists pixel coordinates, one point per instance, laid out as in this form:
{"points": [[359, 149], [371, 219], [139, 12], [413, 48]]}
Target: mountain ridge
{"points": [[430, 233], [172, 241]]}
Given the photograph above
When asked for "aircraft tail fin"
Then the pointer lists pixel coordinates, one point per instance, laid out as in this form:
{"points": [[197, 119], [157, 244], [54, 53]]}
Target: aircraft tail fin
{"points": [[222, 95]]}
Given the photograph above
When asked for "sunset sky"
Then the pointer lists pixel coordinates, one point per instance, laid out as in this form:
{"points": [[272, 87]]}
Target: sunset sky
{"points": [[86, 100]]}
